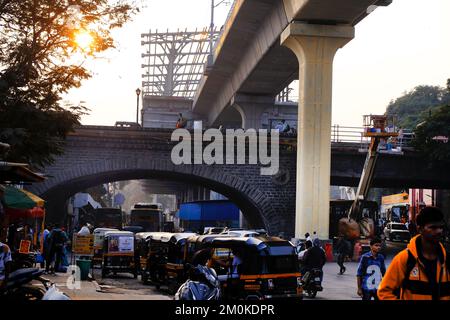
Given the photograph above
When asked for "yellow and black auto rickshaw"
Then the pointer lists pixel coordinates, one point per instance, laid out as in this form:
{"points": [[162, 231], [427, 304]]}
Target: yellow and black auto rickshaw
{"points": [[118, 253], [257, 267], [165, 259], [99, 237]]}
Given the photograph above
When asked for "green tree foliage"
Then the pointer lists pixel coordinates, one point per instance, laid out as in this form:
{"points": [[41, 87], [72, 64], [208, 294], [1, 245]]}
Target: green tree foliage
{"points": [[40, 60], [414, 106], [430, 136]]}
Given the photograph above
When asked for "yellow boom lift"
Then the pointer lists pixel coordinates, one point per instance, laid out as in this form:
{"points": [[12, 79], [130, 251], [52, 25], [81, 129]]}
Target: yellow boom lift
{"points": [[352, 227]]}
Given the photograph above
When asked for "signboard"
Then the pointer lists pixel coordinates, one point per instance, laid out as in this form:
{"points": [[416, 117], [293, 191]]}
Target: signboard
{"points": [[120, 244], [83, 244], [24, 246], [126, 244], [395, 198]]}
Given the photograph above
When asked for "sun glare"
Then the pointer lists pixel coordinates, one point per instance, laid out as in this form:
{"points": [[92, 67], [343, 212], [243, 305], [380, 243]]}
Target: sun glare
{"points": [[84, 40]]}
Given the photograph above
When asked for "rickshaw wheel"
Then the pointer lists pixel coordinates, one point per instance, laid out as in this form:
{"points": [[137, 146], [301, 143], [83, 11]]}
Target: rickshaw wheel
{"points": [[312, 293], [172, 288]]}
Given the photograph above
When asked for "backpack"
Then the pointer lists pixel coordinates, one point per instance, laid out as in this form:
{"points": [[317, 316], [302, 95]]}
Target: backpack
{"points": [[410, 264], [58, 238]]}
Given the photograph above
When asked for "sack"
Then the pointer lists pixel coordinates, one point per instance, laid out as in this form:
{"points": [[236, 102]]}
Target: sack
{"points": [[54, 294], [367, 227], [349, 228]]}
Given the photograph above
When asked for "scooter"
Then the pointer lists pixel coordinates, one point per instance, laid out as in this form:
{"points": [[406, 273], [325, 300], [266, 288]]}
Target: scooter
{"points": [[18, 287], [203, 284], [312, 283]]}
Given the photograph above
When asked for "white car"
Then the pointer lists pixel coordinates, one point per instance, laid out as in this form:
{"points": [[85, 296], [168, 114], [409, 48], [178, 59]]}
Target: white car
{"points": [[396, 231]]}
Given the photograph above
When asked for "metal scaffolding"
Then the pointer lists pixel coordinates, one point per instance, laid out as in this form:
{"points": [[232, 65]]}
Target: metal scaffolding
{"points": [[174, 61]]}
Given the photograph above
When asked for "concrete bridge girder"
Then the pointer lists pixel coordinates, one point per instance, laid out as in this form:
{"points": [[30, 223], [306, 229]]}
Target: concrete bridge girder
{"points": [[251, 109]]}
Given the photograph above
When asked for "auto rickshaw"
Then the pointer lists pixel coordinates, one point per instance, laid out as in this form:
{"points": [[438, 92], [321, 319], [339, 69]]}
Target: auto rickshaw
{"points": [[99, 236], [165, 262], [118, 253], [142, 251], [268, 268]]}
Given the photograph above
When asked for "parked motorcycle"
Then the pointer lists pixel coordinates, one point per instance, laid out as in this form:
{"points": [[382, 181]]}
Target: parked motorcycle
{"points": [[203, 284], [18, 286], [22, 260], [312, 283]]}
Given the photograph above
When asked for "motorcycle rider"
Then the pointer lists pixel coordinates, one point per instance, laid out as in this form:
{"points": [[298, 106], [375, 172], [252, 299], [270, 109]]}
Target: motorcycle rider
{"points": [[314, 258]]}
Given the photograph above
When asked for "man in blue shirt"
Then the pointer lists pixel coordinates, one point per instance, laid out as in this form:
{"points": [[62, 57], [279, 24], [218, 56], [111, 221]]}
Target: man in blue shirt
{"points": [[371, 270]]}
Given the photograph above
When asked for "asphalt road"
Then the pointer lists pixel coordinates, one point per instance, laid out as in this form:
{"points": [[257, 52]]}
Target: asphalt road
{"points": [[124, 287]]}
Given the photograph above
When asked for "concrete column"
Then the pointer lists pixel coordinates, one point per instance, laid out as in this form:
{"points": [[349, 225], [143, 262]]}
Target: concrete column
{"points": [[251, 109], [315, 47]]}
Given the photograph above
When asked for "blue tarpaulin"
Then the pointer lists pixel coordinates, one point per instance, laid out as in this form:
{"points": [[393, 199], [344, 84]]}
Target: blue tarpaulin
{"points": [[209, 210]]}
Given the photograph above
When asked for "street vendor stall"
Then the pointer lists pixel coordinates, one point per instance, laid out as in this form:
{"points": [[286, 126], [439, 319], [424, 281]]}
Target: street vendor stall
{"points": [[23, 208]]}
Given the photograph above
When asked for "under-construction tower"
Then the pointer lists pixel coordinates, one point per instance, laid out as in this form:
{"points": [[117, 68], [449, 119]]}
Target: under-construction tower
{"points": [[173, 66], [174, 61]]}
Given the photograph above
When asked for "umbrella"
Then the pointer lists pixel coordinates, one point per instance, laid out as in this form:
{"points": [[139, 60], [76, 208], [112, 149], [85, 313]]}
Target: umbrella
{"points": [[21, 199]]}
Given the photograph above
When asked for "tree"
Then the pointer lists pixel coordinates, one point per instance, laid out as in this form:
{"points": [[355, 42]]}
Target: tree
{"points": [[431, 136], [43, 44], [414, 106]]}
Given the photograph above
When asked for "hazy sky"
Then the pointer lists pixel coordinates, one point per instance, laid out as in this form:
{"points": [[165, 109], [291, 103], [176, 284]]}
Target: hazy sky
{"points": [[395, 49]]}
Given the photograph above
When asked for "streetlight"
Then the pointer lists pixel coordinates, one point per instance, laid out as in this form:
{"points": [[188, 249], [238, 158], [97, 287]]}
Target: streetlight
{"points": [[138, 92], [211, 29]]}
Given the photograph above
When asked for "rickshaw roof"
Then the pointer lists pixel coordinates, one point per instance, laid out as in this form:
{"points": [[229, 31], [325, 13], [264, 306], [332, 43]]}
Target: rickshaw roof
{"points": [[119, 233], [98, 230], [205, 238], [182, 235], [161, 236], [143, 235], [259, 243]]}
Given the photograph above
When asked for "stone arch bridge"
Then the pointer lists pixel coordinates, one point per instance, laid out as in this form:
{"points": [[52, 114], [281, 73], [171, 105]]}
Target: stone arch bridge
{"points": [[95, 155]]}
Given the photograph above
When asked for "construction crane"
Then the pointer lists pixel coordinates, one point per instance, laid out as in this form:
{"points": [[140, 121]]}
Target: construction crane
{"points": [[375, 128]]}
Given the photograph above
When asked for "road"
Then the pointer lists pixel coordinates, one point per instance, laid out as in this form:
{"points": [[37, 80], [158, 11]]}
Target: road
{"points": [[125, 287]]}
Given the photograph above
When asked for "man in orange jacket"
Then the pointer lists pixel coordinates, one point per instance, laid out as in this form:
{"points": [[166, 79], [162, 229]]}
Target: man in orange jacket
{"points": [[420, 272]]}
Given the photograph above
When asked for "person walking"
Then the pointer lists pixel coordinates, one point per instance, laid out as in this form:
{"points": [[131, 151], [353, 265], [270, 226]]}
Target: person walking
{"points": [[371, 270], [343, 250], [421, 271], [57, 238]]}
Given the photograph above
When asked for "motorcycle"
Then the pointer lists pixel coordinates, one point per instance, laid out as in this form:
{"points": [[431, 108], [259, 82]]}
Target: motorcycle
{"points": [[203, 284], [22, 260], [18, 287], [312, 283]]}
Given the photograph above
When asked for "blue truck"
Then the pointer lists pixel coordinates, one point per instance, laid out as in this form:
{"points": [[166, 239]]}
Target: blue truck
{"points": [[196, 215]]}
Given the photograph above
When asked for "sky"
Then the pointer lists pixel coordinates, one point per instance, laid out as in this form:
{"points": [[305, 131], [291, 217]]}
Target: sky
{"points": [[395, 49]]}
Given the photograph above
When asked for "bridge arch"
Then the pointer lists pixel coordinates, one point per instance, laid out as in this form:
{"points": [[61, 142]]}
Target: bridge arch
{"points": [[254, 204]]}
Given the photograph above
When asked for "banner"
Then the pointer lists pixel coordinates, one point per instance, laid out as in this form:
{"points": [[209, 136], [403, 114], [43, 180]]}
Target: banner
{"points": [[83, 244], [24, 246]]}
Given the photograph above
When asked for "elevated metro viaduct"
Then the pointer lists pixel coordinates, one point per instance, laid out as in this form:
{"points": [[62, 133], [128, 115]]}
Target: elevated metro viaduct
{"points": [[95, 155]]}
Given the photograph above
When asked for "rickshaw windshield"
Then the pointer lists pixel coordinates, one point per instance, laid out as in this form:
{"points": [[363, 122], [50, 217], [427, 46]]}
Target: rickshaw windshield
{"points": [[281, 264]]}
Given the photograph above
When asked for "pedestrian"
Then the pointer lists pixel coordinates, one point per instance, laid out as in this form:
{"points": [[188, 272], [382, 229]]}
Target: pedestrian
{"points": [[308, 237], [282, 126], [43, 244], [343, 247], [5, 263], [181, 122], [57, 238], [314, 236], [371, 270], [420, 272]]}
